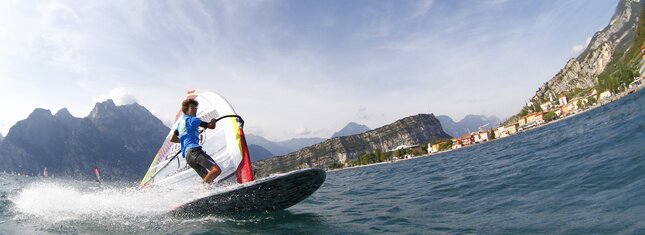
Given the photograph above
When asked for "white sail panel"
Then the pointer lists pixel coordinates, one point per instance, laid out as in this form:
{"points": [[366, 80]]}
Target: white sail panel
{"points": [[223, 144]]}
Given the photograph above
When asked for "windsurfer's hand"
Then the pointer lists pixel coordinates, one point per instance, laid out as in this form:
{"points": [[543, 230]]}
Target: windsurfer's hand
{"points": [[211, 124]]}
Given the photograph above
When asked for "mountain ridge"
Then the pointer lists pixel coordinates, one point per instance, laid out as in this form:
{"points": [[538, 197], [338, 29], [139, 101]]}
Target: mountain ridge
{"points": [[298, 143], [470, 123], [273, 147], [295, 144], [351, 128], [258, 152], [122, 141], [584, 74], [412, 130]]}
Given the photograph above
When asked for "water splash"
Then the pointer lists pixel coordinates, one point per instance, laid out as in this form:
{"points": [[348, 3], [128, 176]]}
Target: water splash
{"points": [[56, 201], [69, 206]]}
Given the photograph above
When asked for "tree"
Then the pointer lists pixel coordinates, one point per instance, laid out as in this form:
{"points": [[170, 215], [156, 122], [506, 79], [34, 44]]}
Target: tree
{"points": [[524, 111], [380, 157], [424, 147], [336, 165], [550, 116], [592, 100], [537, 108], [444, 144], [418, 151]]}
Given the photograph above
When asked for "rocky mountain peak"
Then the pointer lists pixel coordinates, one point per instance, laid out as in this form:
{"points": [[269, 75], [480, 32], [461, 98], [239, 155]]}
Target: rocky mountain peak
{"points": [[63, 114], [108, 114], [38, 119], [40, 113], [351, 128], [620, 28], [582, 73], [120, 139], [102, 109]]}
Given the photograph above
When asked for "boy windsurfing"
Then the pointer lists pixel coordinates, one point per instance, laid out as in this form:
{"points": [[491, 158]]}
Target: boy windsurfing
{"points": [[187, 133]]}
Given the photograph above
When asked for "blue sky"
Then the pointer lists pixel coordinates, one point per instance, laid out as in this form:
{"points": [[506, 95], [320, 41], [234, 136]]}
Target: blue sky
{"points": [[291, 68]]}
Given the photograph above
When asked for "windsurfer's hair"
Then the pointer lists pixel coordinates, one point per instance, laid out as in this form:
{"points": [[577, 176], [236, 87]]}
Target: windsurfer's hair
{"points": [[186, 103]]}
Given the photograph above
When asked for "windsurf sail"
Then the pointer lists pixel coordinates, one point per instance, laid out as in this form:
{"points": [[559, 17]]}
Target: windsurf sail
{"points": [[225, 144]]}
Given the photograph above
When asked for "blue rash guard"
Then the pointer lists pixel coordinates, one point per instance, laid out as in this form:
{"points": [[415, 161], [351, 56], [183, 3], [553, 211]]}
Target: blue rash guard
{"points": [[188, 130]]}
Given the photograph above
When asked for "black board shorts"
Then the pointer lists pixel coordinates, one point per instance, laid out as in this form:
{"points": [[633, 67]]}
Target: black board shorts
{"points": [[199, 161]]}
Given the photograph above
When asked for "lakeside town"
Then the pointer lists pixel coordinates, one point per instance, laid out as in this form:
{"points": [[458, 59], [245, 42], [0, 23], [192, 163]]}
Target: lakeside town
{"points": [[551, 112], [547, 112], [543, 113]]}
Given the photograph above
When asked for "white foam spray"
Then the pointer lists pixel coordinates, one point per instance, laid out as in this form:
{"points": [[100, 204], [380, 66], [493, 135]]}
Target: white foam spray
{"points": [[60, 201]]}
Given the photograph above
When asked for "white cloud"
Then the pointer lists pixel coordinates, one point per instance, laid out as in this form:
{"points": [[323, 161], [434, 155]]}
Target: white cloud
{"points": [[362, 114], [168, 119], [393, 59], [120, 96], [302, 131], [577, 49], [61, 38]]}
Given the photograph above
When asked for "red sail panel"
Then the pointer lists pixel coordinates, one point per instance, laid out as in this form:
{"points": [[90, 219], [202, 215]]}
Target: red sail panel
{"points": [[244, 170]]}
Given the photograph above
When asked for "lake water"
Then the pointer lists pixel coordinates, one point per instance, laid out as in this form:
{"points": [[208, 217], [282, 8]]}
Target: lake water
{"points": [[585, 174]]}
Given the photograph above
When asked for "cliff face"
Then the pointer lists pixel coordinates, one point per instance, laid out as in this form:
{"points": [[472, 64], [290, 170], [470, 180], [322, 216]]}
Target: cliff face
{"points": [[121, 140], [582, 72], [418, 129]]}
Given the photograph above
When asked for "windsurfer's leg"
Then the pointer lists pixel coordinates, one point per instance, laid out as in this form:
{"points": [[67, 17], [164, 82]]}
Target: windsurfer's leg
{"points": [[191, 159], [212, 174], [201, 171], [207, 162]]}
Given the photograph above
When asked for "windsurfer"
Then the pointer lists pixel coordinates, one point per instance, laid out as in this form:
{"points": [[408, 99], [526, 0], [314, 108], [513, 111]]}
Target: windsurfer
{"points": [[187, 134]]}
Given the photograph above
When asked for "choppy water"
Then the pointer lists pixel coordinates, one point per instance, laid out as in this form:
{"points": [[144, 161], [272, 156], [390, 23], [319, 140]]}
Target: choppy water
{"points": [[582, 175]]}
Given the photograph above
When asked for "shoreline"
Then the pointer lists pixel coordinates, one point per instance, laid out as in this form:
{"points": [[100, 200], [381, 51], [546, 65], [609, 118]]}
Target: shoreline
{"points": [[614, 98]]}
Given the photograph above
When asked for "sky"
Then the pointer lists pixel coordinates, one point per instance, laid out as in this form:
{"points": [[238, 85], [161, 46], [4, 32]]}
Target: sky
{"points": [[290, 68]]}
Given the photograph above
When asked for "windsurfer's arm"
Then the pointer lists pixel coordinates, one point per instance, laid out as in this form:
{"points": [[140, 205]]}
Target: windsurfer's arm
{"points": [[175, 137], [209, 125]]}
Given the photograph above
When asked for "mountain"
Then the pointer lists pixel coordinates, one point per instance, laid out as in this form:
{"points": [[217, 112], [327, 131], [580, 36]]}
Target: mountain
{"points": [[1, 137], [258, 153], [282, 147], [121, 140], [351, 129], [419, 129], [468, 124], [610, 60], [292, 145], [295, 144], [273, 147], [298, 143]]}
